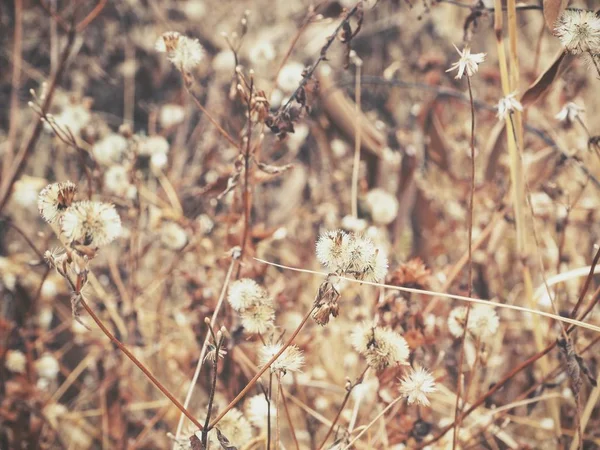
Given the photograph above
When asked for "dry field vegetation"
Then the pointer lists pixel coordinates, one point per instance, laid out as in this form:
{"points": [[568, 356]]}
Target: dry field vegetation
{"points": [[292, 225]]}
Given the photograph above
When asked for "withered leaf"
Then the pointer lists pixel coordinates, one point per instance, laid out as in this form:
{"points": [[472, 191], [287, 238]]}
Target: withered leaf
{"points": [[195, 443], [545, 80], [225, 444]]}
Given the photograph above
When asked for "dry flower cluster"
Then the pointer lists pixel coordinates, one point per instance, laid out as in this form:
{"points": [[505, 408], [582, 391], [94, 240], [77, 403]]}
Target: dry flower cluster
{"points": [[300, 225]]}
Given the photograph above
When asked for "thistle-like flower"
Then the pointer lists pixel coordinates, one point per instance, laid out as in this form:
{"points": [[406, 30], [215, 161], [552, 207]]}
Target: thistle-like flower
{"points": [[246, 292], [483, 321], [332, 249], [54, 199], [258, 318], [508, 104], [416, 385], [381, 347], [185, 53], [291, 360], [569, 113], [579, 31], [468, 62], [457, 320], [90, 224], [15, 361]]}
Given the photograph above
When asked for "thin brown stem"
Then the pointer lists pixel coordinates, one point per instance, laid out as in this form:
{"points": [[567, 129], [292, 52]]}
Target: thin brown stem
{"points": [[269, 399], [256, 377], [140, 366], [213, 388], [289, 419], [457, 407], [342, 406]]}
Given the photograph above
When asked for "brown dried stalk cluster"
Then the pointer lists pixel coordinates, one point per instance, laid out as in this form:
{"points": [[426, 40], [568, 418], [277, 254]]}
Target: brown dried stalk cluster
{"points": [[344, 225]]}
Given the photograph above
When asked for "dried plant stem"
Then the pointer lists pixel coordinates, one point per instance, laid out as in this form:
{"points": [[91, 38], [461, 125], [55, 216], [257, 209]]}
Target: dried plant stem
{"points": [[269, 399], [21, 158], [373, 422], [246, 189], [133, 359], [357, 136], [213, 388], [289, 419], [213, 320], [212, 120], [256, 377], [586, 414], [277, 408], [572, 322], [15, 83], [342, 406], [457, 407]]}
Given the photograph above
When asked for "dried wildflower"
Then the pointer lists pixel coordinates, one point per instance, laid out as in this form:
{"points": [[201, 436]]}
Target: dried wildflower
{"points": [[25, 191], [235, 427], [54, 199], [569, 113], [483, 321], [153, 145], [47, 366], [416, 385], [332, 249], [258, 318], [246, 292], [413, 273], [92, 224], [457, 320], [326, 303], [291, 360], [468, 62], [256, 409], [382, 205], [579, 31], [508, 104], [116, 181], [211, 354], [173, 236], [185, 53], [381, 347], [110, 149], [364, 260], [170, 115], [15, 361], [290, 76]]}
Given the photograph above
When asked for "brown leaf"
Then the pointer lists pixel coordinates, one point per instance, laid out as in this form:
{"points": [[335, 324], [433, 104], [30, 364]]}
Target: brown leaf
{"points": [[545, 80], [552, 11]]}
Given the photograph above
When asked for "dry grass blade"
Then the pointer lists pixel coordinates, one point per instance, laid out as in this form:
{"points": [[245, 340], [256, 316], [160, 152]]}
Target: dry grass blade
{"points": [[552, 11], [544, 82]]}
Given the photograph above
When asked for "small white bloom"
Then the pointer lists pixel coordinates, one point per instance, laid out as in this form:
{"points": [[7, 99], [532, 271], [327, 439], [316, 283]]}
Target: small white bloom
{"points": [[291, 360], [185, 53], [290, 76], [153, 145], [332, 249], [508, 104], [170, 115], [47, 366], [245, 293], [457, 321], [90, 224], [416, 385], [54, 199], [173, 236], [116, 181], [256, 409], [483, 321], [381, 347], [468, 62], [158, 162], [382, 205], [579, 31], [258, 318], [25, 191], [569, 113], [15, 361], [110, 149]]}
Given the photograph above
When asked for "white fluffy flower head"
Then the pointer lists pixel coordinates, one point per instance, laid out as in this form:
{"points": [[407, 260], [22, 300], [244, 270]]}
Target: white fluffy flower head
{"points": [[258, 318], [15, 361], [291, 360], [382, 205], [508, 104], [468, 62], [579, 31], [381, 347], [91, 224], [416, 385], [569, 113], [246, 292], [54, 199], [185, 53], [256, 409]]}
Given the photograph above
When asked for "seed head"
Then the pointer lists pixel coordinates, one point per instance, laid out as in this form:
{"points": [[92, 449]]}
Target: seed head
{"points": [[416, 385], [457, 320], [508, 104], [468, 62], [291, 360], [382, 205], [185, 53], [258, 318], [54, 199], [332, 249], [381, 347], [579, 31], [90, 224], [246, 292], [15, 361]]}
